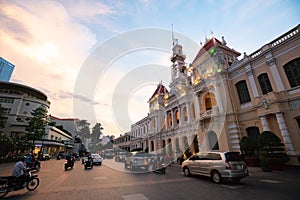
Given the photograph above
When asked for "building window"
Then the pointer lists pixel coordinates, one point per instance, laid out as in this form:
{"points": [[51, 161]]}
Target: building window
{"points": [[292, 71], [243, 92], [264, 83], [208, 103], [177, 117]]}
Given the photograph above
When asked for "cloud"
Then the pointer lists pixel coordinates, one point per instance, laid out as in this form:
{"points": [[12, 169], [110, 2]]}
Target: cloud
{"points": [[87, 10]]}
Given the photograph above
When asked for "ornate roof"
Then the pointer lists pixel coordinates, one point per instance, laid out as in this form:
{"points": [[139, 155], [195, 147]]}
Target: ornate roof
{"points": [[160, 90]]}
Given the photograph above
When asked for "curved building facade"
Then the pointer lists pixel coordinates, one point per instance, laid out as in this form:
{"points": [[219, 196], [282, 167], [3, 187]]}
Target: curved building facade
{"points": [[18, 102]]}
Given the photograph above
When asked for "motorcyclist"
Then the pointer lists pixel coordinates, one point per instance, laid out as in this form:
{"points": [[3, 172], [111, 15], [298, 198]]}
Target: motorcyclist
{"points": [[18, 171]]}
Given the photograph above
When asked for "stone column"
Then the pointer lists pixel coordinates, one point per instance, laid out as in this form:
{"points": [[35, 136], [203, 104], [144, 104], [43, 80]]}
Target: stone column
{"points": [[285, 134], [264, 123], [179, 114], [166, 120], [219, 99], [273, 68], [251, 79], [188, 112]]}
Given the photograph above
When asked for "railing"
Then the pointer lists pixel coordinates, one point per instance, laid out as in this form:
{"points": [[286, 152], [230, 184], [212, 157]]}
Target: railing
{"points": [[256, 53], [288, 35], [277, 41]]}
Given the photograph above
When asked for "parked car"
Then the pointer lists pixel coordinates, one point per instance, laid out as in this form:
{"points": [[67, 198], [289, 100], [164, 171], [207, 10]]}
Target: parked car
{"points": [[136, 160], [97, 159], [218, 165], [109, 153], [120, 156]]}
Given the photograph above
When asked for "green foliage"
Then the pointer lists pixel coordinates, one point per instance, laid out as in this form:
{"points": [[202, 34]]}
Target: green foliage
{"points": [[249, 147], [37, 124], [12, 147], [84, 131], [271, 149], [96, 133]]}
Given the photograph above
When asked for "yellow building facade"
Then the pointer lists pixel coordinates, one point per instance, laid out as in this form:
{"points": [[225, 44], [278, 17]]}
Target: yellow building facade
{"points": [[218, 99]]}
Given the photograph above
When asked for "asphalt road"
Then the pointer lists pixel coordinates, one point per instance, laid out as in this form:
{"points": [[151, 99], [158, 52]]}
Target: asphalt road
{"points": [[112, 182]]}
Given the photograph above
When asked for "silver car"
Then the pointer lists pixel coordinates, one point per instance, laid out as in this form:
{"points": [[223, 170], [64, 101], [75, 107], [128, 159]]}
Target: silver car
{"points": [[217, 165]]}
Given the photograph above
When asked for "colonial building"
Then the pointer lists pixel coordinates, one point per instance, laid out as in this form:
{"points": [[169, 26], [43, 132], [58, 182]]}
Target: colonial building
{"points": [[123, 141], [18, 102], [217, 99]]}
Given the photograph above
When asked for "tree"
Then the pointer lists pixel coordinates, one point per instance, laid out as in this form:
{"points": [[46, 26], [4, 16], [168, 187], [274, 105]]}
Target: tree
{"points": [[37, 124], [271, 151], [96, 133], [84, 131]]}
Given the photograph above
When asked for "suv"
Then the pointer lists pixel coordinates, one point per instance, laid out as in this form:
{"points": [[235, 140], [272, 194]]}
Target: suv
{"points": [[97, 159], [136, 160], [217, 165]]}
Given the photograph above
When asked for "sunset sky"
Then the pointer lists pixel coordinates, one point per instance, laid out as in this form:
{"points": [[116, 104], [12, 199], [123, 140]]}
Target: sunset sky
{"points": [[54, 45]]}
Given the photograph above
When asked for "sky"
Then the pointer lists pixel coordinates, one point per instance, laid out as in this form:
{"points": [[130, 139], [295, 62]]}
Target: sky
{"points": [[102, 60]]}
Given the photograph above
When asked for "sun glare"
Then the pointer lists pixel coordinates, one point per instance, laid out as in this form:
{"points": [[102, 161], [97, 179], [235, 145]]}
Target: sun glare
{"points": [[45, 53]]}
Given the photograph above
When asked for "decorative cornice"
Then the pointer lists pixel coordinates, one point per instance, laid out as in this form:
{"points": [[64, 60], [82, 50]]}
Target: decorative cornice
{"points": [[271, 62]]}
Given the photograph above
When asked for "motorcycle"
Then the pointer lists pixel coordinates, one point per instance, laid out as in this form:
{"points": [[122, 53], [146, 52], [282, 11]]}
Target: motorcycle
{"points": [[36, 165], [11, 183], [88, 163], [69, 164]]}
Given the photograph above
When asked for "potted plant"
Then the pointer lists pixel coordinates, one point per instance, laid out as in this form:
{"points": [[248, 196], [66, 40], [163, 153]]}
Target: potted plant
{"points": [[271, 152], [249, 149]]}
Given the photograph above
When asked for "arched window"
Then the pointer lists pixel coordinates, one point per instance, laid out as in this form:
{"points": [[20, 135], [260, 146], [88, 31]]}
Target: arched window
{"points": [[292, 71], [210, 101], [169, 119], [264, 83], [176, 117], [243, 92]]}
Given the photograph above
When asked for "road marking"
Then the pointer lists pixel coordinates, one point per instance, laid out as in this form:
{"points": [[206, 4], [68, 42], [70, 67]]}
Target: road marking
{"points": [[233, 187], [135, 197], [270, 181], [100, 178]]}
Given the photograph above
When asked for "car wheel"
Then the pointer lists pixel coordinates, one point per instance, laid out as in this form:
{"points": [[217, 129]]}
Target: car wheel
{"points": [[216, 177], [186, 171]]}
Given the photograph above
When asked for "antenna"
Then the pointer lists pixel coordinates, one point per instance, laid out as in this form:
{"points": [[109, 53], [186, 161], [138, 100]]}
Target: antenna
{"points": [[173, 35]]}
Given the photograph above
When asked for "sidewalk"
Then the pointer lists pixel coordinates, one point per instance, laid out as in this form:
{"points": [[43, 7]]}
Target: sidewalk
{"points": [[256, 171]]}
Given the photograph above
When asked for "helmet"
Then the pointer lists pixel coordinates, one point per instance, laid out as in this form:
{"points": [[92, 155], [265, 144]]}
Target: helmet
{"points": [[22, 158]]}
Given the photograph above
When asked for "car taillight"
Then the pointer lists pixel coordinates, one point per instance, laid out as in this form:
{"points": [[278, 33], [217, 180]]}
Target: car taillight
{"points": [[227, 165]]}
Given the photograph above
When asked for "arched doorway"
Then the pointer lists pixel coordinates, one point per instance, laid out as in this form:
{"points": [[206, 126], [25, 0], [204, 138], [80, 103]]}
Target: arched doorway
{"points": [[253, 132], [152, 145], [213, 141], [194, 145], [163, 143]]}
